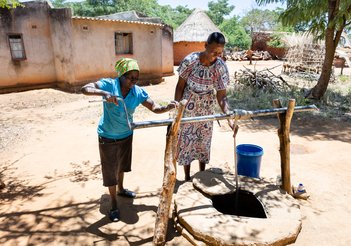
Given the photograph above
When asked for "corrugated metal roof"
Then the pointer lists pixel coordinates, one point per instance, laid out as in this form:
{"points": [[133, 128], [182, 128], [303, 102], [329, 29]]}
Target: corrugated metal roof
{"points": [[131, 15], [110, 20]]}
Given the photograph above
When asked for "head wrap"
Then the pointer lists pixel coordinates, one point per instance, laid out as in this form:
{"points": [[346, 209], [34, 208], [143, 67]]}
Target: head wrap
{"points": [[125, 65]]}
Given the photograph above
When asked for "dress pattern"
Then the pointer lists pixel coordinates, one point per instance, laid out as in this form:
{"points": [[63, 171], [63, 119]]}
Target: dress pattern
{"points": [[201, 84]]}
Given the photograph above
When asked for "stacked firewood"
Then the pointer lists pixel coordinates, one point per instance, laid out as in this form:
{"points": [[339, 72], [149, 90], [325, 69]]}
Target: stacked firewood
{"points": [[246, 54], [291, 68], [264, 79]]}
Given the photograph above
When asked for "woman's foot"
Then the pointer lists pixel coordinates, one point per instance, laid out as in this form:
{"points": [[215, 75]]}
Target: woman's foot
{"points": [[202, 166], [113, 215], [127, 193], [187, 172]]}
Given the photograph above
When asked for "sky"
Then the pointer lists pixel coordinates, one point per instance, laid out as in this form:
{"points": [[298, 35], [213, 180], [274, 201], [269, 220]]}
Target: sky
{"points": [[241, 6]]}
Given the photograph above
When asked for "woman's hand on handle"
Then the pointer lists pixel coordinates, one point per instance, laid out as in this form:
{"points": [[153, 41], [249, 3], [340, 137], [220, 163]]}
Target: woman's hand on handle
{"points": [[232, 125], [172, 105], [111, 99]]}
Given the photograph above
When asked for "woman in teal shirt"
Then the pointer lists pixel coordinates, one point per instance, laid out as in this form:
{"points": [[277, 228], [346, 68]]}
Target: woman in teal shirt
{"points": [[115, 135]]}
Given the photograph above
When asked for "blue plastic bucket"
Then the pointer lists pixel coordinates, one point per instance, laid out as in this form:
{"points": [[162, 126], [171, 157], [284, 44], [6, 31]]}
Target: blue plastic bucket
{"points": [[249, 159]]}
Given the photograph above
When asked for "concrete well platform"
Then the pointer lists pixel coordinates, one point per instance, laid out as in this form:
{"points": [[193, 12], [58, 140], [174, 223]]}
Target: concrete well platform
{"points": [[196, 214]]}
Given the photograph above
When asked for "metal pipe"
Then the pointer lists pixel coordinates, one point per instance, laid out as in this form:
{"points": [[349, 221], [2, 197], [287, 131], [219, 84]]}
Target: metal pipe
{"points": [[124, 108], [237, 114]]}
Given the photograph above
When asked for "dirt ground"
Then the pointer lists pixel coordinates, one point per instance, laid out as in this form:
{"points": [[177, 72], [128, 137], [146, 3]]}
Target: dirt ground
{"points": [[49, 162]]}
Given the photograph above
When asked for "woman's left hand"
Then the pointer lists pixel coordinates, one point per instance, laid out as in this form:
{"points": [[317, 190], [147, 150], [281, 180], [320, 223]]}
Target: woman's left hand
{"points": [[172, 104]]}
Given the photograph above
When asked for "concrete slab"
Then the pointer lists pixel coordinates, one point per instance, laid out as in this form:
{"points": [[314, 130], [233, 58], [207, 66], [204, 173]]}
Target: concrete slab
{"points": [[197, 215]]}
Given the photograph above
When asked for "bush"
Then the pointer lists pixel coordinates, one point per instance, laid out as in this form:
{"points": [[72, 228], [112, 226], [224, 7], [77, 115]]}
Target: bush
{"points": [[336, 103], [276, 41]]}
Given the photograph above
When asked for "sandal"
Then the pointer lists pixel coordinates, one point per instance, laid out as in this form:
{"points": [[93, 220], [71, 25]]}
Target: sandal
{"points": [[113, 215], [127, 193]]}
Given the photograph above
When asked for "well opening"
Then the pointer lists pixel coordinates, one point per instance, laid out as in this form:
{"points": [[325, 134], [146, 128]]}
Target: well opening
{"points": [[242, 203], [265, 215]]}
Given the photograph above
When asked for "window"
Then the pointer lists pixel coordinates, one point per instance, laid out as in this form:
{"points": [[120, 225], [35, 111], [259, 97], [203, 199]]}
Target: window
{"points": [[123, 43], [16, 47]]}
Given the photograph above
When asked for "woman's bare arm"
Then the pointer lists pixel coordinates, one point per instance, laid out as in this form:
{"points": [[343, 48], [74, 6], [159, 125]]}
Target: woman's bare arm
{"points": [[92, 89], [158, 109]]}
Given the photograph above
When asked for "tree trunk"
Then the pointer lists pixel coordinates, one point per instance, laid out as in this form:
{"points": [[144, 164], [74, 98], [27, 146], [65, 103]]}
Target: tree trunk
{"points": [[320, 88], [332, 38]]}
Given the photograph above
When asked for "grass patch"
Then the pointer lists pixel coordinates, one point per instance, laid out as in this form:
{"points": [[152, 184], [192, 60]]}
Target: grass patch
{"points": [[335, 104]]}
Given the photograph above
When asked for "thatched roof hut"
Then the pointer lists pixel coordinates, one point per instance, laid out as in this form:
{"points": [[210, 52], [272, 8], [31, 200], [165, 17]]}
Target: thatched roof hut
{"points": [[192, 34]]}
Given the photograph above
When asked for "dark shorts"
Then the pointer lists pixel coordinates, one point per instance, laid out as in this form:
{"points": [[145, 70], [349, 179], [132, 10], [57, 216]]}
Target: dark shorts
{"points": [[116, 157]]}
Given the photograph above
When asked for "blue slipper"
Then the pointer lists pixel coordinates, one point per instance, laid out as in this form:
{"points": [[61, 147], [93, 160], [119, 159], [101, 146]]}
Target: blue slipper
{"points": [[114, 215], [127, 193]]}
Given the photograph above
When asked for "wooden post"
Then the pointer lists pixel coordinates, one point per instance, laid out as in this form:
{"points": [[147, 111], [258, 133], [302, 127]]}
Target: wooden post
{"points": [[342, 65], [169, 179], [284, 139]]}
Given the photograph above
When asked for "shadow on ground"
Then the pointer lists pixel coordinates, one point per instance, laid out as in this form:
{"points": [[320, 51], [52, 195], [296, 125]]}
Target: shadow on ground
{"points": [[311, 128], [68, 222]]}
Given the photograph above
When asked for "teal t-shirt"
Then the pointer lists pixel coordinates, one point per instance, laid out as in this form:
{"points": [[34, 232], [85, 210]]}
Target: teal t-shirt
{"points": [[113, 123]]}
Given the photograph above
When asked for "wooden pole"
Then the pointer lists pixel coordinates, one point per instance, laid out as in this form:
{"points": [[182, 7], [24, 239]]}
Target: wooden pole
{"points": [[284, 139], [342, 65], [169, 179]]}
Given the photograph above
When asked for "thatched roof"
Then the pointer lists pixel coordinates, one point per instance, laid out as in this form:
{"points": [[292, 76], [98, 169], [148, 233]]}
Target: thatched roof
{"points": [[196, 28]]}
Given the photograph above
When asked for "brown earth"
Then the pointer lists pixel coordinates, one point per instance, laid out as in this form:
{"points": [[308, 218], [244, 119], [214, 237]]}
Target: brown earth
{"points": [[49, 162]]}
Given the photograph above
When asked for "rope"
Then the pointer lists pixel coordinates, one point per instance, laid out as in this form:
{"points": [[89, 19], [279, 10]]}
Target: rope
{"points": [[235, 158], [236, 204]]}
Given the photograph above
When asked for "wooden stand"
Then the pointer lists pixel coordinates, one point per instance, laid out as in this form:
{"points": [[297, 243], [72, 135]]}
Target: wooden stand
{"points": [[170, 173], [169, 179], [284, 139]]}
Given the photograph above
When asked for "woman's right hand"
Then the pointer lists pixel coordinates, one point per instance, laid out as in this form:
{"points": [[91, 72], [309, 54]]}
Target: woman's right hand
{"points": [[232, 125], [111, 99]]}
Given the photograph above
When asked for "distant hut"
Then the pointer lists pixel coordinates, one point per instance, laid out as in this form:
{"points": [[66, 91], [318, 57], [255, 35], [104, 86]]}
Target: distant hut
{"points": [[192, 34]]}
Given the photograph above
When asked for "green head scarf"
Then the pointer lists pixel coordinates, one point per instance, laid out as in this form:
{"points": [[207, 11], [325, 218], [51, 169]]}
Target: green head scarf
{"points": [[125, 65]]}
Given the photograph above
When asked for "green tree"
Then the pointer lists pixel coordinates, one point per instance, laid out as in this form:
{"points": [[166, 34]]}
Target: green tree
{"points": [[276, 41], [324, 19], [105, 7], [90, 9], [9, 4], [171, 16], [217, 10], [58, 3], [257, 20], [235, 33], [278, 25], [147, 7]]}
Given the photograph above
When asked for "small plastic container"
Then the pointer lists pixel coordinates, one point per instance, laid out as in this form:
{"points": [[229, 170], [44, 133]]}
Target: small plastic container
{"points": [[301, 188]]}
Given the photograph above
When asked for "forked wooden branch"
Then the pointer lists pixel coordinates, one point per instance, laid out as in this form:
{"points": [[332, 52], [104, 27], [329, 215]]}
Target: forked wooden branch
{"points": [[169, 179], [284, 139]]}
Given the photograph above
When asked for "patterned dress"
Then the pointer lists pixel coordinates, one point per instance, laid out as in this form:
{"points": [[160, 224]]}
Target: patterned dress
{"points": [[201, 84]]}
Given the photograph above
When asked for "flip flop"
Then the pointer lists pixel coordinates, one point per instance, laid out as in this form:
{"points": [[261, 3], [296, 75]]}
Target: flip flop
{"points": [[127, 193], [113, 215]]}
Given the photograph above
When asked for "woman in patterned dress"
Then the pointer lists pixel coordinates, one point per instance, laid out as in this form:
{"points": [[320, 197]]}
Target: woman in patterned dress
{"points": [[203, 79]]}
